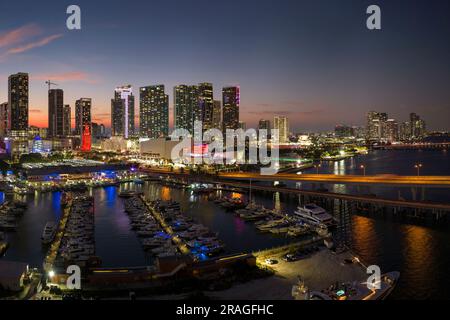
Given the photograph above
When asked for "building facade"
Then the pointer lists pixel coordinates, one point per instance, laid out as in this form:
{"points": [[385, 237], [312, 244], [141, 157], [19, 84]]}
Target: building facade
{"points": [[55, 113], [186, 107], [217, 115], [67, 121], [83, 122], [230, 112], [418, 127], [391, 130], [18, 98], [122, 112], [281, 123], [3, 119], [206, 104], [154, 112], [375, 125], [264, 124]]}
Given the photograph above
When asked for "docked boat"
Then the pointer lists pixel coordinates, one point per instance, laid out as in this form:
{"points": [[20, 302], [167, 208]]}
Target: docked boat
{"points": [[352, 291], [315, 215], [49, 232], [65, 199], [126, 194], [265, 227]]}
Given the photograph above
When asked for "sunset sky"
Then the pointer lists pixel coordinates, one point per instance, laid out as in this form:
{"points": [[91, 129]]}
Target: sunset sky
{"points": [[314, 61]]}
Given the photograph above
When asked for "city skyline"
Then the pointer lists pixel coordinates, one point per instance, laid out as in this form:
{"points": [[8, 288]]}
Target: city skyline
{"points": [[295, 77], [172, 114]]}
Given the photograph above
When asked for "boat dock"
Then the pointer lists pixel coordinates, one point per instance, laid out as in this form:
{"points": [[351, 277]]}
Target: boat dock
{"points": [[49, 259], [74, 241], [167, 228]]}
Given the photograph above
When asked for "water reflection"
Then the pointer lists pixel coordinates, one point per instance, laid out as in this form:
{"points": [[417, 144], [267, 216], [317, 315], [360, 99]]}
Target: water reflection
{"points": [[165, 193], [276, 201], [339, 167], [365, 238]]}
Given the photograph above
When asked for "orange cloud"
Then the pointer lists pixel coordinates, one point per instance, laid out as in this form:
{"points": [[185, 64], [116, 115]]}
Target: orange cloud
{"points": [[18, 35], [66, 77], [35, 44]]}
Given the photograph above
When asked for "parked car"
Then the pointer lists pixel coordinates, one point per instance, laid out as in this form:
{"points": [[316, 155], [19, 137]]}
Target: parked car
{"points": [[271, 261]]}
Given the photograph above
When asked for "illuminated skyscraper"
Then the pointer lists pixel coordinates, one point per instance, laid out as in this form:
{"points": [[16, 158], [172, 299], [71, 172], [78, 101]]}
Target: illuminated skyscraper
{"points": [[264, 124], [67, 121], [391, 130], [231, 100], [186, 106], [343, 131], [122, 112], [217, 115], [154, 112], [83, 122], [206, 104], [281, 123], [18, 104], [4, 119], [376, 122], [55, 113], [418, 126]]}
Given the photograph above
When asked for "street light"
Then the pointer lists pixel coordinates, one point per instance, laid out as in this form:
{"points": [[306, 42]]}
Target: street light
{"points": [[418, 166], [363, 167]]}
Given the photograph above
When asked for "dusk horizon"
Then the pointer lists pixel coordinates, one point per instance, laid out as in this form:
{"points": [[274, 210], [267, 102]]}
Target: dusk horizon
{"points": [[225, 159]]}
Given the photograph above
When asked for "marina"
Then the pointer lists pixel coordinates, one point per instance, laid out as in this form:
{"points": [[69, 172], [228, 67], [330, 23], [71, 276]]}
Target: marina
{"points": [[149, 217]]}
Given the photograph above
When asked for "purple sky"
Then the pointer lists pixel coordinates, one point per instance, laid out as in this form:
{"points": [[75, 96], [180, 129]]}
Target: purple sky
{"points": [[313, 61]]}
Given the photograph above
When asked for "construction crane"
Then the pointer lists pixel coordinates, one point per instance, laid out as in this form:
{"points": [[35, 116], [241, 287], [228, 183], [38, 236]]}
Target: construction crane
{"points": [[49, 83]]}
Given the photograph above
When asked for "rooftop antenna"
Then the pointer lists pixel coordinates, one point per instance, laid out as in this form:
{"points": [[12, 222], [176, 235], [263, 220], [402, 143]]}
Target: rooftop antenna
{"points": [[49, 83]]}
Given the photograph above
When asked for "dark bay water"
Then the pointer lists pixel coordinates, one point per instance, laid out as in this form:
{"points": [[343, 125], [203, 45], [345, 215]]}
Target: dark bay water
{"points": [[399, 162], [420, 253]]}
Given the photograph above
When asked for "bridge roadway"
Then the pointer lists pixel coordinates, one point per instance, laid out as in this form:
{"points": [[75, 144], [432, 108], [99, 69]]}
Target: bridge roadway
{"points": [[358, 198], [386, 179], [348, 197]]}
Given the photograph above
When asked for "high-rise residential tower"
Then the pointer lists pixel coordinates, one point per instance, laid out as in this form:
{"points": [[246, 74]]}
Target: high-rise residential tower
{"points": [[18, 104], [217, 115], [83, 122], [418, 126], [186, 106], [206, 104], [264, 124], [230, 112], [154, 112], [376, 123], [391, 130], [55, 113], [122, 112], [67, 121], [281, 123], [3, 119]]}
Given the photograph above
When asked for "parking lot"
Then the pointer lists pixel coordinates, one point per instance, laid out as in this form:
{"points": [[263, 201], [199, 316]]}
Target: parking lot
{"points": [[318, 269]]}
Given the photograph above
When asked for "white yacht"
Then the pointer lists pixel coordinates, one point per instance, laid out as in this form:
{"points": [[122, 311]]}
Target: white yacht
{"points": [[49, 233], [313, 214], [350, 291]]}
